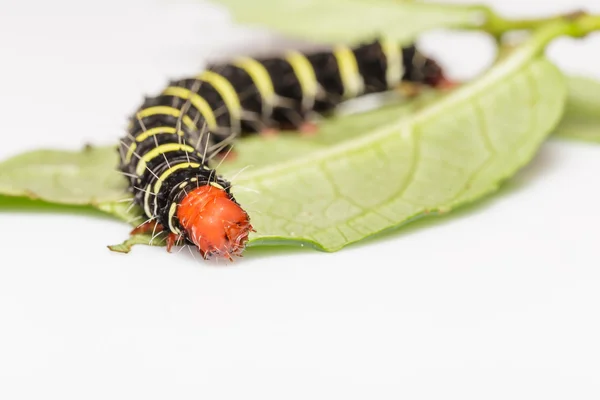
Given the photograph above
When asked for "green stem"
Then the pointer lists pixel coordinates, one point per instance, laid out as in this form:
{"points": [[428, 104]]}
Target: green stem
{"points": [[573, 25], [497, 25], [585, 24]]}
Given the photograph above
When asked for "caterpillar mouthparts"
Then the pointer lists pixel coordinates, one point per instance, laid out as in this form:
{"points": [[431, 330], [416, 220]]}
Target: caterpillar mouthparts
{"points": [[214, 222]]}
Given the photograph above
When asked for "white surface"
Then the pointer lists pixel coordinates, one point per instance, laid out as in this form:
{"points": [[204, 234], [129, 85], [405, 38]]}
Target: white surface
{"points": [[498, 302]]}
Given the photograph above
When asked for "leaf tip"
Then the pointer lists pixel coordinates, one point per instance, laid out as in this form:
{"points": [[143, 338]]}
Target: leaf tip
{"points": [[120, 248]]}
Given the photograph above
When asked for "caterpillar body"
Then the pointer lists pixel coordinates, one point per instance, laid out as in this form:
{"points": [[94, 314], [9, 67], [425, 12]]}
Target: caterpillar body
{"points": [[258, 94], [170, 179], [164, 154]]}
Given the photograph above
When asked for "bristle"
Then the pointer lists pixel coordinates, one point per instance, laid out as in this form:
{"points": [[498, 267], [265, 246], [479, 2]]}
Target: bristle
{"points": [[214, 222], [173, 136]]}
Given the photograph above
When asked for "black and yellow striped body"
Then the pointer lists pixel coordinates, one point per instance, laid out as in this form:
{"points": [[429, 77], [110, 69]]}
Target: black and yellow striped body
{"points": [[163, 162], [164, 152], [285, 91]]}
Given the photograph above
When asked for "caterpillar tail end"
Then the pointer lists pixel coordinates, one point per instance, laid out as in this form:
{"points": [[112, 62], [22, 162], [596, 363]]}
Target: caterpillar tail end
{"points": [[214, 222]]}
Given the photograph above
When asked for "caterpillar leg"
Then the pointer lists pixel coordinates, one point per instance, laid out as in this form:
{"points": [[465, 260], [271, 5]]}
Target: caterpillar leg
{"points": [[409, 89], [228, 155], [308, 128], [172, 240], [269, 133], [153, 226], [305, 127], [447, 84], [147, 227], [412, 89], [295, 119]]}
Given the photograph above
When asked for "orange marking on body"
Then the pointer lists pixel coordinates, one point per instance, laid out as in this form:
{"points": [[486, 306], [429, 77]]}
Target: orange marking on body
{"points": [[226, 155], [269, 133], [446, 84], [216, 224], [308, 129], [409, 89]]}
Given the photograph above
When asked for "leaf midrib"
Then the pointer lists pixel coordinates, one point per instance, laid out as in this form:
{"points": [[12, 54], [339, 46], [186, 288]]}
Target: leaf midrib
{"points": [[405, 127]]}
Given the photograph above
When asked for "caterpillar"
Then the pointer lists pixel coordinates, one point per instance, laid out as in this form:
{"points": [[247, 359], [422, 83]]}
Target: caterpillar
{"points": [[171, 136]]}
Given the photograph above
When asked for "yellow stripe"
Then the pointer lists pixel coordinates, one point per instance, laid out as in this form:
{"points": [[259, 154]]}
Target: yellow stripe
{"points": [[227, 92], [130, 152], [351, 79], [145, 135], [261, 78], [160, 150], [172, 210], [306, 77], [170, 171], [147, 201], [156, 131], [165, 110], [394, 65], [197, 101]]}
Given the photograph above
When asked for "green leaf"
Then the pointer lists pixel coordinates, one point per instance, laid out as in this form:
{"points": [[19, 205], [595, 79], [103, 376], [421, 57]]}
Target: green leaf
{"points": [[394, 165], [251, 154], [76, 178], [450, 153], [582, 114], [343, 21]]}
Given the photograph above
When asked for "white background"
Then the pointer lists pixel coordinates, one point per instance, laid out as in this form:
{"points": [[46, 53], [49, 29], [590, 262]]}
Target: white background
{"points": [[497, 302]]}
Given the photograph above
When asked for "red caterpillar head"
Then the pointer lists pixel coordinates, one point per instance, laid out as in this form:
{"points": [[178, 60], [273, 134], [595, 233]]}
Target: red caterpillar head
{"points": [[214, 222]]}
